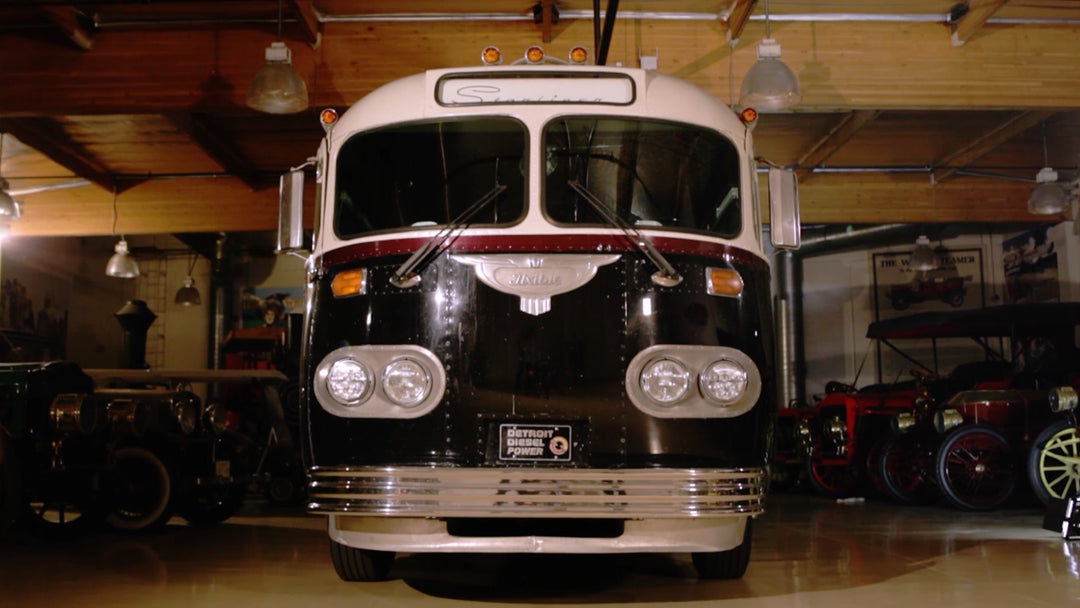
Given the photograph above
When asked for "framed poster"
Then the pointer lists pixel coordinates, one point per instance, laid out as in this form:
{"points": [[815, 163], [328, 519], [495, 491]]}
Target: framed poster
{"points": [[1031, 267]]}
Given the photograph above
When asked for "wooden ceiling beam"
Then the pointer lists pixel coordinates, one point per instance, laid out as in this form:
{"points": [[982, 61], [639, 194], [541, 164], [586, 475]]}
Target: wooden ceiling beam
{"points": [[223, 151], [738, 16], [48, 137], [839, 135], [986, 143], [209, 70], [978, 13], [307, 19], [70, 20]]}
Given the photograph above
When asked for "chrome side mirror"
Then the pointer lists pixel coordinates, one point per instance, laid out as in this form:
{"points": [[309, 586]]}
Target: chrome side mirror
{"points": [[290, 235], [784, 225]]}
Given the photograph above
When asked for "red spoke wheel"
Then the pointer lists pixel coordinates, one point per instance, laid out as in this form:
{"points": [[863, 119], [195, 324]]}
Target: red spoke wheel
{"points": [[833, 480], [976, 468], [906, 466]]}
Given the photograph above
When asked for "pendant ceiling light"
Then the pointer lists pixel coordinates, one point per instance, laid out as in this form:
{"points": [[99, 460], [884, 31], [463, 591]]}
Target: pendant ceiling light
{"points": [[770, 85], [10, 209], [923, 257], [188, 294], [277, 88], [1048, 197], [121, 264]]}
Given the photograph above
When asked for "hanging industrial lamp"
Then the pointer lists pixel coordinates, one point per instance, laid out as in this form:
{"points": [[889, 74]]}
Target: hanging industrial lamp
{"points": [[277, 88], [923, 257], [188, 294], [1048, 197], [770, 85], [121, 264]]}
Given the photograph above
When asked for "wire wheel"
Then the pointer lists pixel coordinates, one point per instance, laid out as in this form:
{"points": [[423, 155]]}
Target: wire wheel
{"points": [[905, 467], [833, 480], [1054, 462], [976, 468], [140, 490]]}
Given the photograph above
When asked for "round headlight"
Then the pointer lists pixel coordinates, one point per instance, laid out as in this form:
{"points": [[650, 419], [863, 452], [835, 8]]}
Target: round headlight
{"points": [[406, 382], [349, 381], [723, 382], [186, 411], [665, 381], [215, 418]]}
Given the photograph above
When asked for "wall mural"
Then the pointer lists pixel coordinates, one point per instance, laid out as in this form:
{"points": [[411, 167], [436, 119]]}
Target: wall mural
{"points": [[33, 312]]}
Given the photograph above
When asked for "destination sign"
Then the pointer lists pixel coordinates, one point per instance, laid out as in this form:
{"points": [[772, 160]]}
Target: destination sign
{"points": [[615, 89]]}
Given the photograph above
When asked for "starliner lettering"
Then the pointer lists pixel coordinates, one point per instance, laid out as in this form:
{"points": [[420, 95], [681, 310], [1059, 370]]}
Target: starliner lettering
{"points": [[524, 279], [480, 93]]}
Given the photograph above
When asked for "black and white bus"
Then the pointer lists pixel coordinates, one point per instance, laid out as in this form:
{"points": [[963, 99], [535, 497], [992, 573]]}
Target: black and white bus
{"points": [[538, 318]]}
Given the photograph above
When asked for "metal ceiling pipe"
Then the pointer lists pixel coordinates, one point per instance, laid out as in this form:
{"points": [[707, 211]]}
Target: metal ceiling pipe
{"points": [[220, 302], [788, 298]]}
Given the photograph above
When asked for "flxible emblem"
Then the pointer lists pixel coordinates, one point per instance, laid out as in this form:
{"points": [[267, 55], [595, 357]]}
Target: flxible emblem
{"points": [[536, 278]]}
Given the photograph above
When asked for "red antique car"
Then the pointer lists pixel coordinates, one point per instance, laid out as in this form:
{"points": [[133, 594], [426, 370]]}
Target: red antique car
{"points": [[973, 438]]}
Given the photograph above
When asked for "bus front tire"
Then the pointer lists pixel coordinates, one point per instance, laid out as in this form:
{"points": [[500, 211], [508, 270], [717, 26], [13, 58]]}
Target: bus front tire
{"points": [[730, 564], [360, 565]]}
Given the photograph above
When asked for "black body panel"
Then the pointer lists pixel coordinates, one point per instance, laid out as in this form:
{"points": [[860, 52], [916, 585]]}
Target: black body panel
{"points": [[565, 366]]}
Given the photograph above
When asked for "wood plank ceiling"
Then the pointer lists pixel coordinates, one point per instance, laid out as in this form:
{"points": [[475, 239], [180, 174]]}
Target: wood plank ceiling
{"points": [[912, 110]]}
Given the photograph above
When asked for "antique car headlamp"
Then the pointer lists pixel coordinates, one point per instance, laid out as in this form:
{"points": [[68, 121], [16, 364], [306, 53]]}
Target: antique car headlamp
{"points": [[215, 418], [185, 408], [836, 430], [805, 433], [128, 417], [947, 419], [723, 382], [665, 381], [1063, 399], [406, 382], [73, 413], [903, 422]]}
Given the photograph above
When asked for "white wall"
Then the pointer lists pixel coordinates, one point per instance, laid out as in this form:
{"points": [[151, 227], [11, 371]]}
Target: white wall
{"points": [[838, 307]]}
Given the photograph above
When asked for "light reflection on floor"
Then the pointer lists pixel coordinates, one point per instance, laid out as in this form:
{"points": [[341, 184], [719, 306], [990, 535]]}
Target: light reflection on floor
{"points": [[807, 552]]}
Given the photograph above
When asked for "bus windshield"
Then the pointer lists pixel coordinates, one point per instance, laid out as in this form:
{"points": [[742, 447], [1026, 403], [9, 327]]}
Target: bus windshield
{"points": [[429, 173], [649, 173]]}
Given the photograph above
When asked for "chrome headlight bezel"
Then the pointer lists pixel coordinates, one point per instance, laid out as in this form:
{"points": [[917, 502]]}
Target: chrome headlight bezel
{"points": [[408, 375], [665, 380], [346, 390], [378, 403], [696, 359], [723, 374]]}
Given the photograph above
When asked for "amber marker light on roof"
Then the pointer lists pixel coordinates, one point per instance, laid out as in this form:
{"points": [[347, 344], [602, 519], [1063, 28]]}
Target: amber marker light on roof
{"points": [[723, 282], [534, 54], [349, 283], [748, 115], [579, 54], [491, 56]]}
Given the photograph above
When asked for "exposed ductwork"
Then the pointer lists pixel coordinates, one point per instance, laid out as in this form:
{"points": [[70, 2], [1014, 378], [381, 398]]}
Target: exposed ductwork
{"points": [[791, 353]]}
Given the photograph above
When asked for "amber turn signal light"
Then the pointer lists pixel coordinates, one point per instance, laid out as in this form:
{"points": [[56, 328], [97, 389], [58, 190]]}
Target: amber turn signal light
{"points": [[349, 283], [723, 282]]}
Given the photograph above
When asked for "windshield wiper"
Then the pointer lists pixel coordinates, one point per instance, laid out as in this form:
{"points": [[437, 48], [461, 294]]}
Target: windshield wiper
{"points": [[666, 275], [408, 274]]}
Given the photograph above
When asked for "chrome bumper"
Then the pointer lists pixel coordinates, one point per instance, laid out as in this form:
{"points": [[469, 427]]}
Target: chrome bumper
{"points": [[435, 492]]}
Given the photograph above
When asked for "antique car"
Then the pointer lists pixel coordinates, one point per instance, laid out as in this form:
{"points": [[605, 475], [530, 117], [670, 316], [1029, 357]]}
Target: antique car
{"points": [[973, 435], [846, 435], [943, 285]]}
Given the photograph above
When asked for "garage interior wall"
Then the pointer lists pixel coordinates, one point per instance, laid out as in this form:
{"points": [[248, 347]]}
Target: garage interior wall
{"points": [[838, 306]]}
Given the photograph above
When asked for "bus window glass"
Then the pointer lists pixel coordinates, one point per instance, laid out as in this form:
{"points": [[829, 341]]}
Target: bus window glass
{"points": [[650, 173], [425, 174]]}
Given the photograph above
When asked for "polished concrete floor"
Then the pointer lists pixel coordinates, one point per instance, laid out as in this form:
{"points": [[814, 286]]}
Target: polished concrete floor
{"points": [[807, 552]]}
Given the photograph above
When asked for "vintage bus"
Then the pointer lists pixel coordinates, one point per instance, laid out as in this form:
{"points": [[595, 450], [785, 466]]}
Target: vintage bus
{"points": [[538, 317]]}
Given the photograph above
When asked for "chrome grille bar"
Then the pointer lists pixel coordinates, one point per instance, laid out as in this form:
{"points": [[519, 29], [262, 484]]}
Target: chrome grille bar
{"points": [[547, 492]]}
